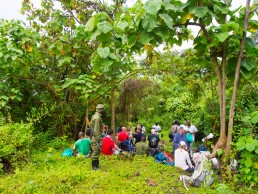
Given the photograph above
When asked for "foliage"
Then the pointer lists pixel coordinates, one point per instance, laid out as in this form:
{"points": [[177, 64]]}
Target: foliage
{"points": [[248, 147], [15, 144]]}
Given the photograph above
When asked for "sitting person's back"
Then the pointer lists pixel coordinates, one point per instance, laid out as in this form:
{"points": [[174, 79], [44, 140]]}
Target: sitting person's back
{"points": [[82, 145], [123, 135], [141, 147], [108, 145], [153, 139], [182, 159]]}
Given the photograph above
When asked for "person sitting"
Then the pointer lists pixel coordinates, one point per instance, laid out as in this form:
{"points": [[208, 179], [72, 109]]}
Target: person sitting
{"points": [[153, 142], [82, 145], [138, 135], [141, 147], [180, 136], [123, 137], [182, 159], [108, 145]]}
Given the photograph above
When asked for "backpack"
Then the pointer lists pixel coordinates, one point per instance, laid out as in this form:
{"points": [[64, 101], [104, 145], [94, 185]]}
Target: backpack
{"points": [[153, 142], [202, 175], [68, 152], [189, 137]]}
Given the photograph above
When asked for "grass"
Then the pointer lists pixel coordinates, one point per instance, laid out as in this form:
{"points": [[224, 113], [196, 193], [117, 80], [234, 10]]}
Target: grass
{"points": [[49, 172]]}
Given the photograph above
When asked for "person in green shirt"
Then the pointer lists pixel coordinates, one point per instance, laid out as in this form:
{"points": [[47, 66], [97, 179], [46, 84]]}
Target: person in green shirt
{"points": [[82, 145], [141, 147]]}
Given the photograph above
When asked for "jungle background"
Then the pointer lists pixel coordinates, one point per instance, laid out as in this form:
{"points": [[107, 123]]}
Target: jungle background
{"points": [[71, 57]]}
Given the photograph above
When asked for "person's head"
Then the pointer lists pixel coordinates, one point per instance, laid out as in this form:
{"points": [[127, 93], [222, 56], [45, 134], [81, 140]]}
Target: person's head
{"points": [[123, 129], [188, 123], [80, 135], [182, 145], [182, 129], [129, 129], [110, 132], [139, 126], [100, 108], [176, 122], [88, 132], [157, 123], [153, 131], [143, 138]]}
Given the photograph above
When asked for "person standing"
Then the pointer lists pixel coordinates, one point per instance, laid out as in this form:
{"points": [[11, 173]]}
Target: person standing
{"points": [[97, 124], [157, 128], [180, 136], [192, 129]]}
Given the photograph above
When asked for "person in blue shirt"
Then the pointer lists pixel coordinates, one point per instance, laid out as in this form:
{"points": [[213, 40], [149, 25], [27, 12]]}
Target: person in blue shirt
{"points": [[180, 136]]}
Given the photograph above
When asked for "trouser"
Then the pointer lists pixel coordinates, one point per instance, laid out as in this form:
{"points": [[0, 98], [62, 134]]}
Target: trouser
{"points": [[191, 149], [95, 151], [190, 169]]}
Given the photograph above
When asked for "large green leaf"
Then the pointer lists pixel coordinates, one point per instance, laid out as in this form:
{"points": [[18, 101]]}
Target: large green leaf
{"points": [[149, 22], [248, 64], [104, 27], [146, 37], [223, 10], [248, 163], [222, 36], [250, 147], [169, 6], [254, 120], [162, 33], [152, 6], [122, 25], [90, 24], [103, 52], [167, 19], [199, 11]]}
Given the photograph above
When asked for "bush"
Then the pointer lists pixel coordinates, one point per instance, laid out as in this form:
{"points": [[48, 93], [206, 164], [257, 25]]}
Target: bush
{"points": [[15, 141], [248, 167]]}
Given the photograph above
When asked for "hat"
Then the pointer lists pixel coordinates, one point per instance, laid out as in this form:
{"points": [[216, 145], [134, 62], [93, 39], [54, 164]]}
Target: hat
{"points": [[182, 143], [183, 127], [99, 107]]}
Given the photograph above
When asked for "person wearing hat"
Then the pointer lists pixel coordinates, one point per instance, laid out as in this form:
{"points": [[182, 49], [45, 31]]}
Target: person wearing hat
{"points": [[180, 136], [97, 124], [182, 159]]}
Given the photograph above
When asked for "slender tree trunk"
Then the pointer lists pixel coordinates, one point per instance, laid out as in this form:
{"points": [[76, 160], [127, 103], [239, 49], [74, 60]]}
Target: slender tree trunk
{"points": [[236, 80], [113, 109]]}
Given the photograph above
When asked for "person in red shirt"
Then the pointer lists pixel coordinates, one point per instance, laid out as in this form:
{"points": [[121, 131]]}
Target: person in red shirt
{"points": [[108, 145], [123, 135]]}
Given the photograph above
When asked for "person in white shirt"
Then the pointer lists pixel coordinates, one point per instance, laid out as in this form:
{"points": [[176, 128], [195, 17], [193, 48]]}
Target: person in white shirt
{"points": [[156, 127], [182, 159], [192, 129]]}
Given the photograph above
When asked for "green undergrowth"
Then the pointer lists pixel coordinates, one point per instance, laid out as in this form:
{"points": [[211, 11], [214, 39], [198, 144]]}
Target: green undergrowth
{"points": [[48, 172]]}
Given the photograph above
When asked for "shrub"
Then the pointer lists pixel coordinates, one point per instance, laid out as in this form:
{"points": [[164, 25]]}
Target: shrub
{"points": [[15, 141]]}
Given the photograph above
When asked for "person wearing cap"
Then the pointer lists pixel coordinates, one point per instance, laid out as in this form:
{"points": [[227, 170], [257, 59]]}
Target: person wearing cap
{"points": [[192, 129], [97, 124], [180, 136], [182, 159]]}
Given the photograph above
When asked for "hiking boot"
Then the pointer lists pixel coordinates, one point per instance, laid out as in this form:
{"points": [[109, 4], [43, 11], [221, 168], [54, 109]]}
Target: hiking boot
{"points": [[95, 164]]}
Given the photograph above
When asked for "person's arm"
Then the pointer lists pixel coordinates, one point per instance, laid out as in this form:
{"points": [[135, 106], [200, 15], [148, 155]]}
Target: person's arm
{"points": [[188, 160]]}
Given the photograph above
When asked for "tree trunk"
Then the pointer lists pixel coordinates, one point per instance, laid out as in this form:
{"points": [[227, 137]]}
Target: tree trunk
{"points": [[113, 109], [236, 80]]}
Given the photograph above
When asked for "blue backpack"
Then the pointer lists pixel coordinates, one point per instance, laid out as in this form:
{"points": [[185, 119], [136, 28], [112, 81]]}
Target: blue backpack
{"points": [[68, 152]]}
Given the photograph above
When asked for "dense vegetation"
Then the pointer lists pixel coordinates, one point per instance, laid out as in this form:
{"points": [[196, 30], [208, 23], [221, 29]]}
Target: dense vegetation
{"points": [[54, 71]]}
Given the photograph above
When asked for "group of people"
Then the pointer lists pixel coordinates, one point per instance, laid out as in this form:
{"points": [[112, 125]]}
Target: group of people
{"points": [[99, 140]]}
